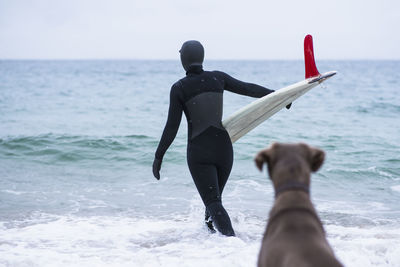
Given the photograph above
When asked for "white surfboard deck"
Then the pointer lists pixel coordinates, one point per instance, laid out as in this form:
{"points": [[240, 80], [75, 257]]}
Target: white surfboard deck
{"points": [[250, 116]]}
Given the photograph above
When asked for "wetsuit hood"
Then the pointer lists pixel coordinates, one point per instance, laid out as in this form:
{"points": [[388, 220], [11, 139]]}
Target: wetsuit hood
{"points": [[192, 54]]}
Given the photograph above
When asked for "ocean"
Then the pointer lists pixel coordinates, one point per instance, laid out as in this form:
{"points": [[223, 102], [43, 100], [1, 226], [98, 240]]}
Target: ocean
{"points": [[77, 141]]}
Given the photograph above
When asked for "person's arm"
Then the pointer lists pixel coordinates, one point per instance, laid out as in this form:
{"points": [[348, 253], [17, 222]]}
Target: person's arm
{"points": [[243, 88], [172, 125], [170, 129]]}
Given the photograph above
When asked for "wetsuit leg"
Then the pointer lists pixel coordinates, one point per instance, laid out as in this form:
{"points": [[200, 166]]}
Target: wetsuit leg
{"points": [[223, 175], [206, 180], [224, 170], [220, 218], [210, 167]]}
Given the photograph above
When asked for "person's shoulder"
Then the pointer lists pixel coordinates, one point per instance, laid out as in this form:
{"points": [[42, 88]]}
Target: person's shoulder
{"points": [[219, 74], [176, 89], [177, 85]]}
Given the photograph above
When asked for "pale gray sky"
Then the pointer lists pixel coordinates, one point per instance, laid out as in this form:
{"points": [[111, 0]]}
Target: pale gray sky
{"points": [[229, 29]]}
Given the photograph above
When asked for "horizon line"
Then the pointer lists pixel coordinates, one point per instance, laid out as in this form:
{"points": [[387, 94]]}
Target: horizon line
{"points": [[211, 59]]}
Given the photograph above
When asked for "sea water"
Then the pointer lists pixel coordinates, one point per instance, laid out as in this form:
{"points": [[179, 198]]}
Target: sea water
{"points": [[77, 141]]}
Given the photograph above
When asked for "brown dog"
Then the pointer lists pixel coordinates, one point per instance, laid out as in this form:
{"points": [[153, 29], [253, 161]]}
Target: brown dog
{"points": [[294, 235]]}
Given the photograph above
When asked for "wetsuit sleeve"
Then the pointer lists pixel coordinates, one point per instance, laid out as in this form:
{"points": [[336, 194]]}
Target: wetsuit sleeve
{"points": [[243, 88], [173, 122]]}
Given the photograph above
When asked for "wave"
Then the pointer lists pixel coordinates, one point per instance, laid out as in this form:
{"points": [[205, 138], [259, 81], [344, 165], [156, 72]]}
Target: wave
{"points": [[385, 109], [53, 149]]}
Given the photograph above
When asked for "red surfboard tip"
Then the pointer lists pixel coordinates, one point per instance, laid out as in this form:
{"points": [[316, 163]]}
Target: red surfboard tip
{"points": [[309, 60]]}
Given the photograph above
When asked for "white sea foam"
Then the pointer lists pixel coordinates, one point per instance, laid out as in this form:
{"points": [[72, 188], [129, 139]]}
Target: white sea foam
{"points": [[396, 188], [366, 246], [178, 241], [350, 208], [380, 172], [13, 192], [122, 241]]}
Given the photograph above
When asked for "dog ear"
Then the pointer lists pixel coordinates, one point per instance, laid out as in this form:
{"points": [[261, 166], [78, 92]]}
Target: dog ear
{"points": [[262, 156], [317, 158]]}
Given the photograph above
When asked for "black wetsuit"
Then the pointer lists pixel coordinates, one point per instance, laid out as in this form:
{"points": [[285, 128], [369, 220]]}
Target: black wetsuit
{"points": [[209, 150]]}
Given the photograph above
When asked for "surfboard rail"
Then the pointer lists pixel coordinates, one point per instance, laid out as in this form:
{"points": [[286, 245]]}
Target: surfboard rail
{"points": [[250, 116]]}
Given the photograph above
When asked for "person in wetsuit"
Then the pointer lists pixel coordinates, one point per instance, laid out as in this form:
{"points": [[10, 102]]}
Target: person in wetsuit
{"points": [[209, 152]]}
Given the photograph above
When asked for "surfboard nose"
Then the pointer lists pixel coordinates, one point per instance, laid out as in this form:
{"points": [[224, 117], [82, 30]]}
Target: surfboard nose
{"points": [[322, 77]]}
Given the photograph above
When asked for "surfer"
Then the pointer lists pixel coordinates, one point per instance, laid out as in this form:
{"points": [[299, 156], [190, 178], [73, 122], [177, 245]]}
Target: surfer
{"points": [[209, 150]]}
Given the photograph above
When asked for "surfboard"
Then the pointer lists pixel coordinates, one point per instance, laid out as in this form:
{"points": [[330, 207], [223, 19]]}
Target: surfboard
{"points": [[247, 118]]}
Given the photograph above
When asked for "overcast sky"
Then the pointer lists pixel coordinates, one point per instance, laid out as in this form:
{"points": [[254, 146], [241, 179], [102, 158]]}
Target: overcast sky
{"points": [[229, 29]]}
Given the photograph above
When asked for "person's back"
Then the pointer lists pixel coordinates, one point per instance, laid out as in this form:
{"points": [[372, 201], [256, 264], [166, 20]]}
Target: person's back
{"points": [[201, 93]]}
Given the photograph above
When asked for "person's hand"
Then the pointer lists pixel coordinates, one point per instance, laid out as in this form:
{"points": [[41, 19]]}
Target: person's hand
{"points": [[288, 106], [157, 168]]}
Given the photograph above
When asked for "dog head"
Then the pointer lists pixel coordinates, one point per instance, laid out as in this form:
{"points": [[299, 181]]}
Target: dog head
{"points": [[290, 162]]}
